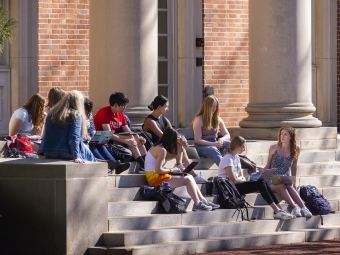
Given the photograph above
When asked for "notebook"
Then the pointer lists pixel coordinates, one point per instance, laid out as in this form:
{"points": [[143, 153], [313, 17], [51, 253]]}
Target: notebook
{"points": [[190, 167], [277, 179], [101, 137]]}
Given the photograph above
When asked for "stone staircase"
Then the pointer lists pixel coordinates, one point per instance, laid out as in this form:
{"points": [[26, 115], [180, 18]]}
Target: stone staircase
{"points": [[134, 227]]}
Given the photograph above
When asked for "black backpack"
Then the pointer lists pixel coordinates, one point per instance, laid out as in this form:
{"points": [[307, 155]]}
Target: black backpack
{"points": [[315, 202], [168, 202], [228, 196]]}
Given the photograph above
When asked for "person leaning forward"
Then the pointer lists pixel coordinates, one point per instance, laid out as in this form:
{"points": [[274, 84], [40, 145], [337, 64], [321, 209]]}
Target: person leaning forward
{"points": [[112, 118]]}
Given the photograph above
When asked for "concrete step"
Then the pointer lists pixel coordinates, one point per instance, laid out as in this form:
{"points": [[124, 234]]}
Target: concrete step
{"points": [[319, 180], [318, 168], [213, 244], [142, 222], [307, 156], [130, 208], [162, 235]]}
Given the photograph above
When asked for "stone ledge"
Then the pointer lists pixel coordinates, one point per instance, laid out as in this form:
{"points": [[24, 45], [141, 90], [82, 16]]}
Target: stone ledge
{"points": [[50, 168]]}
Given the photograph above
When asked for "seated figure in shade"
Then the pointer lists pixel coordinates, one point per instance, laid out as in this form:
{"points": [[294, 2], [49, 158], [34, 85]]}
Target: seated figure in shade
{"points": [[29, 120], [65, 130], [206, 125], [155, 124], [100, 151], [112, 118]]}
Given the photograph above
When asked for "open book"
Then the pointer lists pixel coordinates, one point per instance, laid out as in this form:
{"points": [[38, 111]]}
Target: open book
{"points": [[277, 179]]}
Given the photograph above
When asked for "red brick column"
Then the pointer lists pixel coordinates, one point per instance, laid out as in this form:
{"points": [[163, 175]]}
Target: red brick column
{"points": [[63, 45], [225, 30]]}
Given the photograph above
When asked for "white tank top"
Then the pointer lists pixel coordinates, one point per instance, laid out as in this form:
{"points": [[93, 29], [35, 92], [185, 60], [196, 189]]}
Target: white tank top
{"points": [[150, 162]]}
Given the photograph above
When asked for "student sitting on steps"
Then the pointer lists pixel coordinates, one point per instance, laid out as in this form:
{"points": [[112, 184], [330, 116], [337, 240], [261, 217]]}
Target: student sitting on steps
{"points": [[155, 172], [284, 156], [112, 118], [230, 167], [100, 151], [156, 123]]}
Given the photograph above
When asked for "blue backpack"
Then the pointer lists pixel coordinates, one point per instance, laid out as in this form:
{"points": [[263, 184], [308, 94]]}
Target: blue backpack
{"points": [[315, 202]]}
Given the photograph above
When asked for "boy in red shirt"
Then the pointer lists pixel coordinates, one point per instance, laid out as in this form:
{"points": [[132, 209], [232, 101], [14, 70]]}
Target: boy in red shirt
{"points": [[112, 118]]}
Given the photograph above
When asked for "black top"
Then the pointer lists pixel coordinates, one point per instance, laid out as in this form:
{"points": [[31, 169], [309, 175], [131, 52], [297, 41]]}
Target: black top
{"points": [[162, 124]]}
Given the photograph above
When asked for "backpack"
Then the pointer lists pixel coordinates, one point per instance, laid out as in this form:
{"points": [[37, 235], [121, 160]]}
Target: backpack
{"points": [[19, 146], [168, 202], [315, 202], [228, 197], [119, 152], [248, 164]]}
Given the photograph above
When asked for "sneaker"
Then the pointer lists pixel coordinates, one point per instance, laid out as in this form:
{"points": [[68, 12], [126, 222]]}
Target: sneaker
{"points": [[113, 164], [296, 212], [199, 179], [201, 207], [306, 213], [214, 206], [179, 166], [141, 170], [282, 215]]}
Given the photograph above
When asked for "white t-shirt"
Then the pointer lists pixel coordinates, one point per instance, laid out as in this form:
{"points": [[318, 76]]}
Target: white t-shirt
{"points": [[229, 160], [27, 126]]}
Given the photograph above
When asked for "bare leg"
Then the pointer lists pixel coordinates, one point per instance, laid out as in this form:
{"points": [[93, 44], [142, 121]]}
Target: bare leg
{"points": [[282, 189], [295, 196], [275, 207], [189, 182], [35, 146], [186, 160]]}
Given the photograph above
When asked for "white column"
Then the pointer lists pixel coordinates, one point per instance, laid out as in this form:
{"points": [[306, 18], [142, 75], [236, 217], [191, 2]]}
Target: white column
{"points": [[280, 65], [123, 53]]}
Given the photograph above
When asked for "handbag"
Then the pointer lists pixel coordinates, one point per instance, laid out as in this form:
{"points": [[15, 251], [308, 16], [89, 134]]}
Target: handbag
{"points": [[19, 146], [119, 152]]}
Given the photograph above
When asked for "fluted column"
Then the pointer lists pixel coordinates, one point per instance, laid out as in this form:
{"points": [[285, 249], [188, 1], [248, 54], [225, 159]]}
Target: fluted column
{"points": [[280, 65], [123, 53]]}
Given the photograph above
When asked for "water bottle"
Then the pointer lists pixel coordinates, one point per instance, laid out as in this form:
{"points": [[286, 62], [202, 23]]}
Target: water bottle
{"points": [[209, 185], [166, 187]]}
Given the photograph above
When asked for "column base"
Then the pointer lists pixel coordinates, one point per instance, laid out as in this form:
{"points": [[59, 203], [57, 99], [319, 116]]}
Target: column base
{"points": [[137, 116], [303, 122]]}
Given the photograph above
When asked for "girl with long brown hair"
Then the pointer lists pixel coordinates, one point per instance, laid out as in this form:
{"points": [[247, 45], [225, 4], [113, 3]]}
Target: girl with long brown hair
{"points": [[29, 120], [284, 156]]}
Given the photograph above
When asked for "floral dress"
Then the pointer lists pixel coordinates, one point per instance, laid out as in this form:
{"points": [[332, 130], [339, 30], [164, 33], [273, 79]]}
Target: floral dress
{"points": [[282, 164]]}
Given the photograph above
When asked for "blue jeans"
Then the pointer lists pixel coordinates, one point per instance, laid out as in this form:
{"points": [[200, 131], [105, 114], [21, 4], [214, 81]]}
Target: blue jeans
{"points": [[101, 152], [212, 151]]}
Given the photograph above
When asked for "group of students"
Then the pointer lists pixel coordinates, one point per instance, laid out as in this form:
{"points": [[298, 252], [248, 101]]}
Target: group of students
{"points": [[212, 140], [64, 126]]}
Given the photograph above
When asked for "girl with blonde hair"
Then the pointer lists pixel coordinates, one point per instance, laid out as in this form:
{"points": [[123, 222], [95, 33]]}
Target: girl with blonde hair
{"points": [[65, 129], [284, 156], [207, 124], [230, 168], [29, 120]]}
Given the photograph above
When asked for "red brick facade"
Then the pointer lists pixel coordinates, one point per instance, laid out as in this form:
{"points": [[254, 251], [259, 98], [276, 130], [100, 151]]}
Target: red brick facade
{"points": [[63, 45], [226, 68], [338, 65]]}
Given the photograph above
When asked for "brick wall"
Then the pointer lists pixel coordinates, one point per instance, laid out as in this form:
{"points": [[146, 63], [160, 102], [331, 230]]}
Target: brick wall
{"points": [[63, 45], [338, 65], [225, 30]]}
